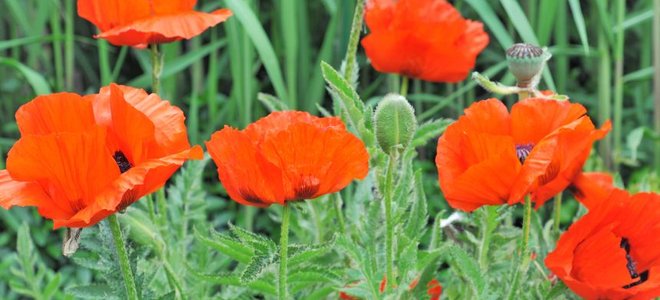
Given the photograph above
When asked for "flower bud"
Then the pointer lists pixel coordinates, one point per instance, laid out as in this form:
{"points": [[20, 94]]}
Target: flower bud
{"points": [[526, 61], [395, 123]]}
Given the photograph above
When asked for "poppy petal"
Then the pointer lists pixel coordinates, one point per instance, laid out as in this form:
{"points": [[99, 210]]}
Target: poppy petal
{"points": [[19, 193], [164, 28], [534, 118], [592, 188], [107, 14], [52, 113], [246, 180]]}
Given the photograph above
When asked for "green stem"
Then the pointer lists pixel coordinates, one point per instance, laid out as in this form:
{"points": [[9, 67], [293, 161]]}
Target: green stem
{"points": [[618, 82], [284, 245], [557, 218], [404, 85], [156, 68], [656, 77], [122, 255], [488, 226], [389, 235], [354, 39], [340, 214], [524, 246]]}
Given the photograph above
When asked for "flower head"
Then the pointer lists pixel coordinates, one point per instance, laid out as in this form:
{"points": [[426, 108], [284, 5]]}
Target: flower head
{"points": [[287, 156], [612, 252], [138, 23], [492, 157], [424, 39], [80, 159]]}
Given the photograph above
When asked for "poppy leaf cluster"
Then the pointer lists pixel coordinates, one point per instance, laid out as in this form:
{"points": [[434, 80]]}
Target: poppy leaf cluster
{"points": [[82, 158]]}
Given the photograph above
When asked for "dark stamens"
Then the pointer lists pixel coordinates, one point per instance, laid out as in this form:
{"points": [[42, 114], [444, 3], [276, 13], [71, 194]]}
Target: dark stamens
{"points": [[632, 266], [522, 151], [122, 162]]}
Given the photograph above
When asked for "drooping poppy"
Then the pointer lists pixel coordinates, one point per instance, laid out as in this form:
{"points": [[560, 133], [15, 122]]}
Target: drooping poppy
{"points": [[424, 39], [491, 157], [287, 156], [138, 23], [612, 252], [81, 159]]}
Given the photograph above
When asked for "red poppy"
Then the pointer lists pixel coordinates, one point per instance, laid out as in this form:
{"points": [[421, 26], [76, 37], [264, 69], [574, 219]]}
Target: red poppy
{"points": [[612, 252], [425, 39], [287, 156], [80, 159], [592, 188], [491, 157], [138, 23], [434, 289]]}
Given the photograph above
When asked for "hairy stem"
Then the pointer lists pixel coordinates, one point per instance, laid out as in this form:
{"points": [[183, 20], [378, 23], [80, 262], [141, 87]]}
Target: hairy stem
{"points": [[557, 218], [284, 244], [156, 68], [389, 236], [404, 85], [354, 39], [122, 255]]}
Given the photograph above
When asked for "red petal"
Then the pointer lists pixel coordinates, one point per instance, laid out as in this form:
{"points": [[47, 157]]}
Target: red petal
{"points": [[61, 112]]}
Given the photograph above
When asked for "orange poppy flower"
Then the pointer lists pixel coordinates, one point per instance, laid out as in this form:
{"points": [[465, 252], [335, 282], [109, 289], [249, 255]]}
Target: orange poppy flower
{"points": [[138, 23], [424, 39], [287, 156], [592, 188], [612, 252], [491, 157], [80, 159]]}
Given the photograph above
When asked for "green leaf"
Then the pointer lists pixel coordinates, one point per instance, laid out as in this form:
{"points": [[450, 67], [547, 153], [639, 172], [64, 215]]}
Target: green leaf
{"points": [[37, 81], [255, 269], [257, 242], [304, 253], [227, 245], [314, 275], [429, 130], [271, 102], [633, 141], [489, 17], [259, 38], [466, 267], [229, 279], [349, 97], [94, 291], [578, 17], [52, 287]]}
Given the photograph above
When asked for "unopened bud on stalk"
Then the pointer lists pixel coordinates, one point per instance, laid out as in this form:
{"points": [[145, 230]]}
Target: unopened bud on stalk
{"points": [[526, 63], [395, 123]]}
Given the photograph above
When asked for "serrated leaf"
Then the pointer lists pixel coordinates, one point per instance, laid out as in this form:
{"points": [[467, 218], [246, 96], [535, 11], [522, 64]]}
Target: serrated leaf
{"points": [[52, 286], [466, 267], [255, 269], [418, 217], [428, 131], [271, 102], [308, 253], [233, 280], [258, 242], [350, 99], [93, 291], [227, 245], [314, 275]]}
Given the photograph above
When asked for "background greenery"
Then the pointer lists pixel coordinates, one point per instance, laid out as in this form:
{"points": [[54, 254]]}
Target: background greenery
{"points": [[602, 57]]}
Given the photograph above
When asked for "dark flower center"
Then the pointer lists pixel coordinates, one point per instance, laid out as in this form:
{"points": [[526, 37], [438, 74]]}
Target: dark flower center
{"points": [[122, 162], [307, 187], [522, 151], [631, 265]]}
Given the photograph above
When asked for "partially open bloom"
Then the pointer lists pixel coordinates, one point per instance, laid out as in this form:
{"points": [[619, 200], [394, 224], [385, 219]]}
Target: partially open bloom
{"points": [[81, 159], [138, 23], [612, 252], [287, 156], [491, 157], [424, 39]]}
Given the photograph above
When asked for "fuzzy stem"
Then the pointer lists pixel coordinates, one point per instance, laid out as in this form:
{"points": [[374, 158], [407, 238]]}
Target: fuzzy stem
{"points": [[389, 236], [524, 247], [404, 85], [156, 68], [487, 231], [354, 39], [340, 214], [557, 211], [284, 245], [129, 281]]}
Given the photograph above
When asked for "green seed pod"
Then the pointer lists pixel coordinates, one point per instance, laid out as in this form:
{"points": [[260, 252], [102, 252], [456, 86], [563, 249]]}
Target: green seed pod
{"points": [[525, 62], [395, 123]]}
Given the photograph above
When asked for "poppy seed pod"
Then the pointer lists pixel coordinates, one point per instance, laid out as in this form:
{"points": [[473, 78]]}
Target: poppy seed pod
{"points": [[395, 122], [526, 61]]}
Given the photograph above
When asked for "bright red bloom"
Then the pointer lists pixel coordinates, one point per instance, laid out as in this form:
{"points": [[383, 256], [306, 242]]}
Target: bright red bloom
{"points": [[491, 157], [80, 159], [287, 156], [425, 39], [612, 252], [434, 289], [138, 23]]}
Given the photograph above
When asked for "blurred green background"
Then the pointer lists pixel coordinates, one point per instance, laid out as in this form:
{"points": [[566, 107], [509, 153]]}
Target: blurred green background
{"points": [[602, 57]]}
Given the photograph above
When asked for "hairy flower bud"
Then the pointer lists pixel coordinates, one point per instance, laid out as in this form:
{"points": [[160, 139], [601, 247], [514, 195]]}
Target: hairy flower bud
{"points": [[395, 123]]}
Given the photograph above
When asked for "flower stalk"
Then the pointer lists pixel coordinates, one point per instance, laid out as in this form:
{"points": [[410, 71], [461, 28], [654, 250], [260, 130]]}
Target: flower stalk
{"points": [[156, 68], [557, 217], [284, 245], [122, 255], [389, 226]]}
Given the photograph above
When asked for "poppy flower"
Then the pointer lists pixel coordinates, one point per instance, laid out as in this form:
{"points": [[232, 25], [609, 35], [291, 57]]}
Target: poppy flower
{"points": [[592, 188], [612, 252], [491, 157], [424, 39], [81, 159], [138, 23], [287, 156]]}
